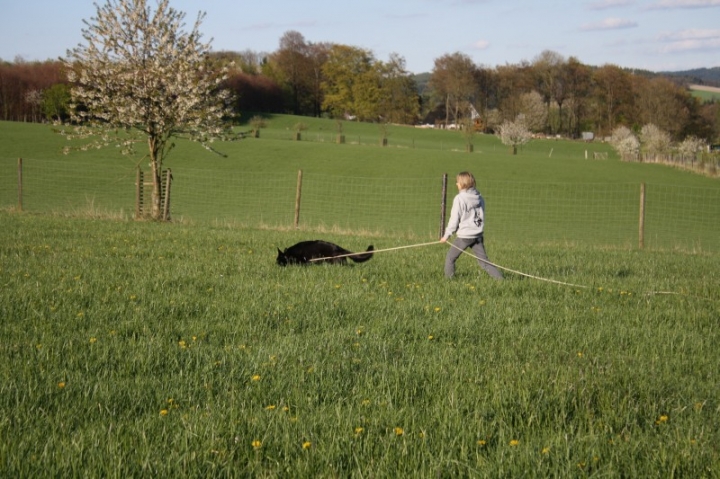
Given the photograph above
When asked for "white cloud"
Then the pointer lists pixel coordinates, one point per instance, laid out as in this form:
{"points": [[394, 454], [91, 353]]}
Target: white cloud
{"points": [[481, 45], [610, 24], [606, 4], [673, 4], [690, 40]]}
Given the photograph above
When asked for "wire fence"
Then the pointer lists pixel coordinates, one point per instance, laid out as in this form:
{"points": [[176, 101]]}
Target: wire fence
{"points": [[601, 214]]}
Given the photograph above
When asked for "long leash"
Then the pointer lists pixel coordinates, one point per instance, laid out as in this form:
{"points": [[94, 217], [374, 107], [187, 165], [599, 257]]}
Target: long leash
{"points": [[520, 273], [375, 251], [539, 278]]}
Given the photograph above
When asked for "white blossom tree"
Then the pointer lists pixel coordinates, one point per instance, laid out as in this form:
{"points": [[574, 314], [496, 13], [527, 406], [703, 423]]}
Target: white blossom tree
{"points": [[654, 140], [691, 146], [625, 143], [140, 78], [514, 134]]}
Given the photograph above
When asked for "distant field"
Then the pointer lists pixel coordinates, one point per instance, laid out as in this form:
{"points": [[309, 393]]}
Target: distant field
{"points": [[552, 191], [706, 93]]}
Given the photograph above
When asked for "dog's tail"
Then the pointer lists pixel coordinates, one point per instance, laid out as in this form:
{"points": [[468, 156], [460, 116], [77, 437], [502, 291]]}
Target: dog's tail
{"points": [[362, 257]]}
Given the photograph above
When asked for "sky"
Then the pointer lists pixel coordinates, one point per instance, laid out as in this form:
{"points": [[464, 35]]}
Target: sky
{"points": [[656, 35]]}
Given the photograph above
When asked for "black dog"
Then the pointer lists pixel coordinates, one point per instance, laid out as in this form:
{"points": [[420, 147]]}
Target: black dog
{"points": [[305, 251]]}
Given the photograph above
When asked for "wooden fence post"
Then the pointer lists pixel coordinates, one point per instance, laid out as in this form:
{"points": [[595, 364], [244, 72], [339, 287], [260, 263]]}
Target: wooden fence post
{"points": [[641, 227], [166, 204], [443, 204], [20, 185], [138, 193], [298, 194]]}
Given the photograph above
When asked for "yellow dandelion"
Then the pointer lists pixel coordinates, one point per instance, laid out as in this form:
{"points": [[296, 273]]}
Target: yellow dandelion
{"points": [[182, 344], [271, 407], [399, 431], [286, 409], [437, 308], [662, 419], [256, 444], [307, 445], [163, 412], [366, 402], [80, 314], [256, 377], [93, 340], [580, 354], [514, 442], [359, 430], [482, 442], [431, 337], [546, 450], [61, 384]]}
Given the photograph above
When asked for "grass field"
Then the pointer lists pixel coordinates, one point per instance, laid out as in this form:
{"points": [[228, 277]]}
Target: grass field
{"points": [[169, 350], [705, 93], [132, 349], [549, 192]]}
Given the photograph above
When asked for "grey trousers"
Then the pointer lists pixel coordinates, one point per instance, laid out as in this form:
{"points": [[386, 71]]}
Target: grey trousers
{"points": [[478, 249]]}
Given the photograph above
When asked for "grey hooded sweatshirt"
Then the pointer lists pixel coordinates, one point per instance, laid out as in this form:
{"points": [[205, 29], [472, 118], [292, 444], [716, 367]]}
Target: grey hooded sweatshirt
{"points": [[467, 215]]}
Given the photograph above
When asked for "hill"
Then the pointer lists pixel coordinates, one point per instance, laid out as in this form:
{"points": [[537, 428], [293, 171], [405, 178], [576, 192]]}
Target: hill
{"points": [[700, 76]]}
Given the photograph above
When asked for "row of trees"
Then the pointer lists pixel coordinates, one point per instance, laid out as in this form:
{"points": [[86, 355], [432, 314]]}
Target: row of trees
{"points": [[551, 94]]}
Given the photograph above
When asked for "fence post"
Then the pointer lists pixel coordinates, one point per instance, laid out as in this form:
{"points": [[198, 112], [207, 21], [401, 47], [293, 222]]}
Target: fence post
{"points": [[166, 204], [443, 204], [641, 227], [138, 193], [298, 194], [20, 185]]}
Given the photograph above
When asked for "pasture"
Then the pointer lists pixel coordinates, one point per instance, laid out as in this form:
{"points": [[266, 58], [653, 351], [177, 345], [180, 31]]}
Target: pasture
{"points": [[144, 349]]}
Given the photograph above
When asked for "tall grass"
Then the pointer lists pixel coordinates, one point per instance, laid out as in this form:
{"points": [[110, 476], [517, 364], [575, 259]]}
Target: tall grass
{"points": [[138, 349]]}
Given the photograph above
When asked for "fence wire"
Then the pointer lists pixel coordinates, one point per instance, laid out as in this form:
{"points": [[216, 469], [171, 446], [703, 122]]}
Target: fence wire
{"points": [[601, 214]]}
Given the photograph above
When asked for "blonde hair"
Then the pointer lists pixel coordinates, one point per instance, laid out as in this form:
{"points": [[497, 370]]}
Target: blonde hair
{"points": [[465, 180]]}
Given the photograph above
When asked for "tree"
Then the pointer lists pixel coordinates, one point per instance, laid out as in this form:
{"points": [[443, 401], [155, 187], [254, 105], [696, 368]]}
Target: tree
{"points": [[625, 143], [655, 141], [141, 77], [55, 102], [514, 134], [399, 101], [347, 73], [614, 95], [453, 79]]}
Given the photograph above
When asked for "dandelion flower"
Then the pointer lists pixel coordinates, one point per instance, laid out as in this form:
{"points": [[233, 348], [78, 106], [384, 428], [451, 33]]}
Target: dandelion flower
{"points": [[61, 384], [359, 430], [271, 407], [514, 442], [546, 450], [256, 377], [399, 431], [481, 442], [163, 412], [93, 340], [256, 444], [307, 445], [437, 308]]}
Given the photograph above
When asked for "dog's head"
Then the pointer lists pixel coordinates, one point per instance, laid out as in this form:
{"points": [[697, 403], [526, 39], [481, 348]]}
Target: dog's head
{"points": [[281, 258]]}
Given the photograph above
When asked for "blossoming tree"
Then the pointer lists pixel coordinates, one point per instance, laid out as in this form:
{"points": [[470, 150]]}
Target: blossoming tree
{"points": [[140, 78], [514, 134]]}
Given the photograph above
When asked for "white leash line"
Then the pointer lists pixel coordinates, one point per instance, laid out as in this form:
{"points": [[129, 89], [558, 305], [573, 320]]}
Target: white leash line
{"points": [[374, 251], [539, 278], [519, 272]]}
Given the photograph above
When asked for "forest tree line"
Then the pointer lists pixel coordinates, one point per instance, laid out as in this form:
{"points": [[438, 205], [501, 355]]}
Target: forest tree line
{"points": [[552, 94]]}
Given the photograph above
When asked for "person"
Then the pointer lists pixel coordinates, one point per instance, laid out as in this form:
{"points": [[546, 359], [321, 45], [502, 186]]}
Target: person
{"points": [[467, 218]]}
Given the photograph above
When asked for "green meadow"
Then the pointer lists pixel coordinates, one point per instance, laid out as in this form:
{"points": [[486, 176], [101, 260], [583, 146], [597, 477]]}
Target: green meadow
{"points": [[142, 349]]}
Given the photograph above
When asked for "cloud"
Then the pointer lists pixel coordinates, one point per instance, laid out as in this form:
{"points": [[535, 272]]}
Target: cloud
{"points": [[690, 40], [609, 24], [606, 4], [481, 45], [675, 4]]}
